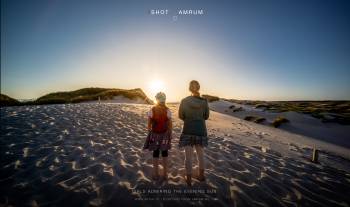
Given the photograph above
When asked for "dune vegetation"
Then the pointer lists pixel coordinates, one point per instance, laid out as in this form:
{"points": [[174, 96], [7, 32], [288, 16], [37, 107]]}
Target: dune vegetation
{"points": [[256, 119], [81, 95], [8, 101], [327, 111], [91, 94], [235, 109], [278, 121]]}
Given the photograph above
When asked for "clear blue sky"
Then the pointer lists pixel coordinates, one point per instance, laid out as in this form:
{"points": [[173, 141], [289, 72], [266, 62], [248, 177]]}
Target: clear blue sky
{"points": [[246, 49]]}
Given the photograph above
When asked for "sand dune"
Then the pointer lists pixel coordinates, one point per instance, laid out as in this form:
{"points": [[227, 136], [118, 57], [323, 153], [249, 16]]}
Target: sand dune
{"points": [[91, 155], [299, 123]]}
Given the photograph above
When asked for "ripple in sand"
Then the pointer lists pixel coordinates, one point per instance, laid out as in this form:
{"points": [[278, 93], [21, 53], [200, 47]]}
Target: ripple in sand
{"points": [[68, 184], [142, 177], [17, 164], [109, 170], [125, 184], [25, 152], [96, 202], [124, 164], [74, 165], [247, 155], [40, 162], [53, 168], [297, 193]]}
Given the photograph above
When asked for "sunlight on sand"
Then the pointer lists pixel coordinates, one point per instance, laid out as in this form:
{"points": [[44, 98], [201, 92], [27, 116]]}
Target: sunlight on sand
{"points": [[93, 155]]}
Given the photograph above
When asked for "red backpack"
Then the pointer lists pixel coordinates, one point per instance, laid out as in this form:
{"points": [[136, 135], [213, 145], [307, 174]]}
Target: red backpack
{"points": [[159, 119]]}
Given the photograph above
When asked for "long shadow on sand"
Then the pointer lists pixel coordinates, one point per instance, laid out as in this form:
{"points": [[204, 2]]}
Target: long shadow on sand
{"points": [[91, 155]]}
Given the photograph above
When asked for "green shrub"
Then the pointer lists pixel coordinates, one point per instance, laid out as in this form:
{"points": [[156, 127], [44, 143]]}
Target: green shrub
{"points": [[256, 119], [258, 106], [91, 94], [259, 120], [279, 120], [249, 118], [238, 109]]}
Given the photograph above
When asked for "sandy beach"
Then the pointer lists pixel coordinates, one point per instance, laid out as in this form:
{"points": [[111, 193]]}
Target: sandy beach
{"points": [[90, 154]]}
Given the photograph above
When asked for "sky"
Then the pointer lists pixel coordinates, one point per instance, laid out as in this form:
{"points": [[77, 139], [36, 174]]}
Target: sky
{"points": [[241, 49]]}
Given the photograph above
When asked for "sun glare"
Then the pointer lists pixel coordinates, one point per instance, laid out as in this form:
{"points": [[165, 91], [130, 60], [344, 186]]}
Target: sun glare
{"points": [[156, 86]]}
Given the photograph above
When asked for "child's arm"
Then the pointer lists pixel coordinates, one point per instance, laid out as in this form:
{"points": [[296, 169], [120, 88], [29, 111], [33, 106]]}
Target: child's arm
{"points": [[149, 124], [170, 124], [170, 121]]}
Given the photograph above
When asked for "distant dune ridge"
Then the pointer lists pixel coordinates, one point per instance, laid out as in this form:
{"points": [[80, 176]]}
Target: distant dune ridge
{"points": [[333, 130], [327, 111], [8, 101], [82, 95], [210, 98]]}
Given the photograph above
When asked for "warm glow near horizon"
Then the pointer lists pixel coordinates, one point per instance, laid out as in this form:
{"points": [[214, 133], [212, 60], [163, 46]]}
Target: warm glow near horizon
{"points": [[155, 86]]}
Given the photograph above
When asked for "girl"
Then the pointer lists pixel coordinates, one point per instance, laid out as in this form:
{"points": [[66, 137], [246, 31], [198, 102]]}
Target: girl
{"points": [[194, 111], [159, 136]]}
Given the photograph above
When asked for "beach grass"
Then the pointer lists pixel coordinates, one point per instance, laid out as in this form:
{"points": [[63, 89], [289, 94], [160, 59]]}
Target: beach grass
{"points": [[278, 121], [256, 119], [8, 101], [78, 96], [326, 111]]}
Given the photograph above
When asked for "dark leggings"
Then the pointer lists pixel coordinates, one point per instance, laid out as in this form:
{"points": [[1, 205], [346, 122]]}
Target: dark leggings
{"points": [[157, 152]]}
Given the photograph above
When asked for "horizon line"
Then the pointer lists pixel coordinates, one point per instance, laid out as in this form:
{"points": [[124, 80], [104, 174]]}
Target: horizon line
{"points": [[177, 101]]}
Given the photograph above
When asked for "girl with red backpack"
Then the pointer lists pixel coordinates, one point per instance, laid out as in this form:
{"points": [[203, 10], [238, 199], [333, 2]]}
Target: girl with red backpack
{"points": [[159, 136]]}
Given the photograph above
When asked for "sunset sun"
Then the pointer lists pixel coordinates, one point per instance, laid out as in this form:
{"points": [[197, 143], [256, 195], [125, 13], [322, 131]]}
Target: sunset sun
{"points": [[156, 86]]}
